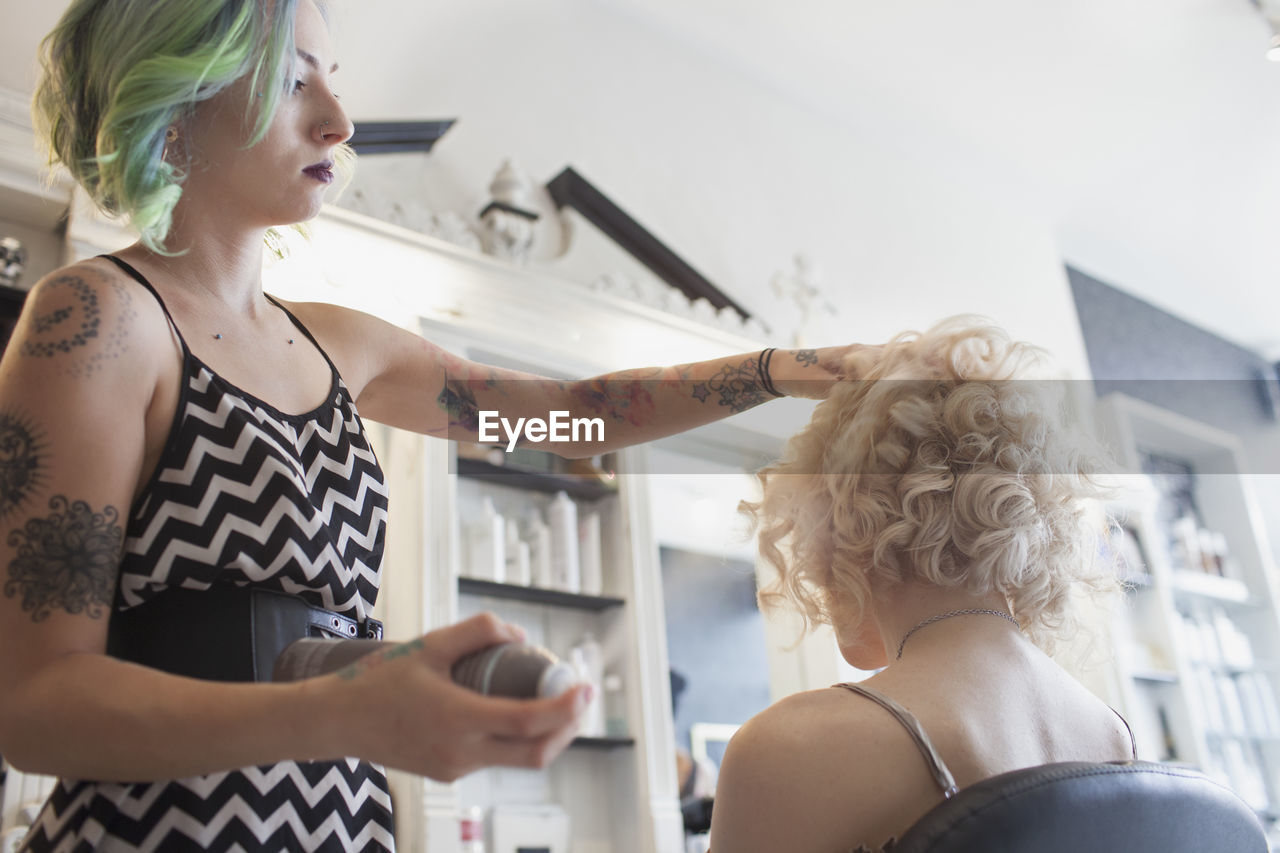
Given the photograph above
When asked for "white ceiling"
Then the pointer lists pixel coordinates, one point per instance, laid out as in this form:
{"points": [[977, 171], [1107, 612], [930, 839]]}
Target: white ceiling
{"points": [[1147, 132]]}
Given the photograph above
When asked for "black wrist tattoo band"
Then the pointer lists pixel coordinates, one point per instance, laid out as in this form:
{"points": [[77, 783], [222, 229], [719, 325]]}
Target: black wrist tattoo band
{"points": [[762, 370]]}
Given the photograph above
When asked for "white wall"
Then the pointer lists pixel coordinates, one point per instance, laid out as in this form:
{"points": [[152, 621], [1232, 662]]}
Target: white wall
{"points": [[732, 176]]}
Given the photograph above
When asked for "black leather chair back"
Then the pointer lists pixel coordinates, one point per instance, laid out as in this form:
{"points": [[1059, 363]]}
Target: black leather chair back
{"points": [[1082, 807]]}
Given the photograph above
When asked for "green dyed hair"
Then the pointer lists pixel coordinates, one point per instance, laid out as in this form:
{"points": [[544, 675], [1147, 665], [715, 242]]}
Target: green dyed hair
{"points": [[118, 73]]}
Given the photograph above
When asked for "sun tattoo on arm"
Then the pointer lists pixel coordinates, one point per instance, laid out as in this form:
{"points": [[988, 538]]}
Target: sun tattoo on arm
{"points": [[22, 462], [67, 561]]}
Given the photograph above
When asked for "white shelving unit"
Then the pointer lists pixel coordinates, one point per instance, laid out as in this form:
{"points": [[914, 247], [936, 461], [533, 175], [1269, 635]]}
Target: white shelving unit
{"points": [[598, 779], [1198, 645]]}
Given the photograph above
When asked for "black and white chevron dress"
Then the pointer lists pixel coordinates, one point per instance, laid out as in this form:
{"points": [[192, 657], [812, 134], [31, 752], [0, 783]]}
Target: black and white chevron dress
{"points": [[246, 494]]}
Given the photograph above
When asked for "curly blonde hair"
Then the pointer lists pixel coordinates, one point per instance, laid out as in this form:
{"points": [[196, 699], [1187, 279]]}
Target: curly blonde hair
{"points": [[943, 463]]}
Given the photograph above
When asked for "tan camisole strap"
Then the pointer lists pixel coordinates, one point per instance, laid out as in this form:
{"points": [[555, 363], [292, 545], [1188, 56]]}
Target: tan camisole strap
{"points": [[937, 766], [1133, 742]]}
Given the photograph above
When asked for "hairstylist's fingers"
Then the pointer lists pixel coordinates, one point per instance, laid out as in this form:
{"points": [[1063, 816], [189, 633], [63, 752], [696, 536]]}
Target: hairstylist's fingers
{"points": [[527, 719], [536, 753], [445, 645]]}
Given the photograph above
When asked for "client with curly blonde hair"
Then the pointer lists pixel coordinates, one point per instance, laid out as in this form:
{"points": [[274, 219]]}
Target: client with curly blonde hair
{"points": [[934, 513]]}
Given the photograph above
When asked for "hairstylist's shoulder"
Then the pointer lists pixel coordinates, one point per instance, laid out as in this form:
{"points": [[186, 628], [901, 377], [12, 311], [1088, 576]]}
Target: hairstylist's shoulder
{"points": [[88, 353], [90, 319], [792, 774], [361, 344]]}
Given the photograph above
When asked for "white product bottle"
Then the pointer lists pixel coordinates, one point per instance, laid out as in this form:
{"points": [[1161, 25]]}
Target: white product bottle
{"points": [[588, 657], [540, 553], [519, 570], [471, 830], [615, 706], [562, 518], [487, 540], [589, 554]]}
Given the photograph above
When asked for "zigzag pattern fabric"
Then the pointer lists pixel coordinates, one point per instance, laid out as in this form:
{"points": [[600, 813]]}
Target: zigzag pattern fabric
{"points": [[249, 495], [292, 504]]}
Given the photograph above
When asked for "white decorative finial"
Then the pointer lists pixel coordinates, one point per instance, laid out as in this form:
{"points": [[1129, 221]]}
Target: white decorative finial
{"points": [[802, 288], [507, 220]]}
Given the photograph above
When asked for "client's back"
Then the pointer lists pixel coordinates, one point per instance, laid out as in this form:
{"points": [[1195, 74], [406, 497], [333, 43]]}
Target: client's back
{"points": [[932, 513]]}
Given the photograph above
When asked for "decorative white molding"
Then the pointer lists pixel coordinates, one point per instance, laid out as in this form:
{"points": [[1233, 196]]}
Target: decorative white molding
{"points": [[26, 194], [394, 273], [413, 215], [662, 296]]}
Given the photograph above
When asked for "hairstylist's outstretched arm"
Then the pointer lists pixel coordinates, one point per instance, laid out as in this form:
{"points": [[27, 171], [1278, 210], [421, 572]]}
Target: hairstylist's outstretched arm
{"points": [[405, 381]]}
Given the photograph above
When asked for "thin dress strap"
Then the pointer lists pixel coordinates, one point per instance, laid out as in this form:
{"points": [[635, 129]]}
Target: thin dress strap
{"points": [[1133, 742], [142, 280], [304, 331], [937, 766]]}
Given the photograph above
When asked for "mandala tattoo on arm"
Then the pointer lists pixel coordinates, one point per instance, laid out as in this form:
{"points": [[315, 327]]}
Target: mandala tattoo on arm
{"points": [[807, 357], [22, 462], [67, 561], [737, 387], [75, 326]]}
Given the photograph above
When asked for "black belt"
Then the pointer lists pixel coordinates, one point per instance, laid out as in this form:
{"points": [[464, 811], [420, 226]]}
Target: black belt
{"points": [[224, 633]]}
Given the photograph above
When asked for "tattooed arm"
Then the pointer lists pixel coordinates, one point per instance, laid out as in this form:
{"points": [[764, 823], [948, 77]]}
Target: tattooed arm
{"points": [[88, 390], [644, 404], [76, 383], [405, 381]]}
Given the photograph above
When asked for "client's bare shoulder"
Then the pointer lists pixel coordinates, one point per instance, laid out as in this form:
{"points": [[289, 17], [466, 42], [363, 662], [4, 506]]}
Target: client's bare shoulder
{"points": [[815, 771]]}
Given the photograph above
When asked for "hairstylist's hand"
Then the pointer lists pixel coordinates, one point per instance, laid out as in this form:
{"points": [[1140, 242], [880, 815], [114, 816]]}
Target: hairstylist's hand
{"points": [[407, 713], [811, 373]]}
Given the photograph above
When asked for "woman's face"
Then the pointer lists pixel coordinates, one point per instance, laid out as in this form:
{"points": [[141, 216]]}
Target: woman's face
{"points": [[282, 179]]}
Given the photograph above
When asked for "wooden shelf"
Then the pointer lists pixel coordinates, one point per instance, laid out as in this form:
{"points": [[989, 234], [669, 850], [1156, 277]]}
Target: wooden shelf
{"points": [[1156, 676], [604, 743], [1204, 585], [537, 595], [1137, 581], [580, 487]]}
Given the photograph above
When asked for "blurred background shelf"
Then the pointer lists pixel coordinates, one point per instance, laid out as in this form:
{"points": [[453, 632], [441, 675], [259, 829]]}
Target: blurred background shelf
{"points": [[537, 595]]}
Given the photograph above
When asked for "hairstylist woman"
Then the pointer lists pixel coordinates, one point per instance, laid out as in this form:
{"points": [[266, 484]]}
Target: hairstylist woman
{"points": [[179, 433]]}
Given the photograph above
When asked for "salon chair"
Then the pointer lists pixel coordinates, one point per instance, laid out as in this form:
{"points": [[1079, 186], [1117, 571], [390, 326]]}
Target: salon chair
{"points": [[1129, 806]]}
